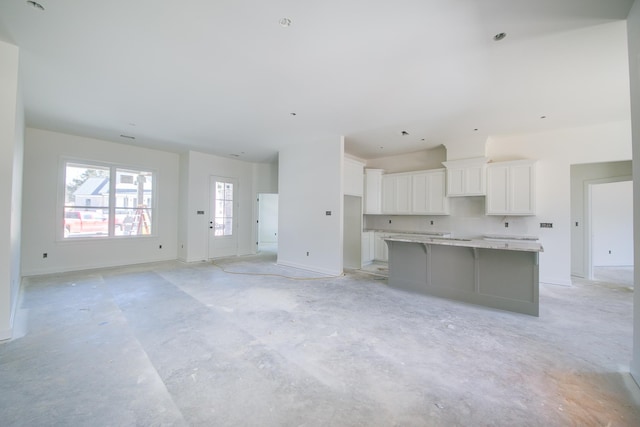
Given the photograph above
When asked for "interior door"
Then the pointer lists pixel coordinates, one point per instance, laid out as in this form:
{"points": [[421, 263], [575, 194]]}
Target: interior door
{"points": [[223, 224]]}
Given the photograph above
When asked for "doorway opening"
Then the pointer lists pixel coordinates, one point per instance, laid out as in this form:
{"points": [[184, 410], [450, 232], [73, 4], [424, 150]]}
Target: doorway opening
{"points": [[352, 235], [610, 219], [267, 231], [602, 222]]}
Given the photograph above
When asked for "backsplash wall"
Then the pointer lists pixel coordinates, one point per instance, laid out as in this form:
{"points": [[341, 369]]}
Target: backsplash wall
{"points": [[467, 219]]}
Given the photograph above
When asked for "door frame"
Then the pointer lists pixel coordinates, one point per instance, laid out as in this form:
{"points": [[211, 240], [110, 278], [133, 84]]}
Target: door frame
{"points": [[211, 247], [588, 220]]}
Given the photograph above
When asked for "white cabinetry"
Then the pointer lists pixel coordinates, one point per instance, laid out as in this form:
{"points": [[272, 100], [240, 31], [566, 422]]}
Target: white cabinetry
{"points": [[353, 177], [381, 252], [396, 194], [373, 191], [428, 193], [368, 247], [511, 188], [466, 177], [415, 193]]}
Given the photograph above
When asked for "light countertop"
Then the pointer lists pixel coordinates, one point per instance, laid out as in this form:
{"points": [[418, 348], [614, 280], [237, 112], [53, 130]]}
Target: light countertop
{"points": [[523, 246]]}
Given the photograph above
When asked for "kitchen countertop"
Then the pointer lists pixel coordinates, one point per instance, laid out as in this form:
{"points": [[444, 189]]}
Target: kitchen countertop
{"points": [[411, 233], [524, 246]]}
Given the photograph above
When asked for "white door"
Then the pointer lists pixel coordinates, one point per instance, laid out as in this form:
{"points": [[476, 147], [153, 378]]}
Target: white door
{"points": [[223, 224]]}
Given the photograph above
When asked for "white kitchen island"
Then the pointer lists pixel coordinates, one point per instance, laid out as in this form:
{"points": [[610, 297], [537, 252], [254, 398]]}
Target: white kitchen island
{"points": [[496, 274]]}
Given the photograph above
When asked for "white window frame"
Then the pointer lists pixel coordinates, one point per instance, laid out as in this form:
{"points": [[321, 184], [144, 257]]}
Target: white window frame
{"points": [[113, 167]]}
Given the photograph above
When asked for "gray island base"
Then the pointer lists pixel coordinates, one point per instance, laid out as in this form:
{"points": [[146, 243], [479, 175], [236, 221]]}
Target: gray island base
{"points": [[493, 274]]}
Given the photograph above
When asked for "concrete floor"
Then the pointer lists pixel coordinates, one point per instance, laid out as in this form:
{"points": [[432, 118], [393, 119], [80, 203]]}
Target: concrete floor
{"points": [[188, 344]]}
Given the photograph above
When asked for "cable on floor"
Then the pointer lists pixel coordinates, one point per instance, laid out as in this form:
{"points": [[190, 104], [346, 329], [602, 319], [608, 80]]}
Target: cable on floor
{"points": [[274, 274]]}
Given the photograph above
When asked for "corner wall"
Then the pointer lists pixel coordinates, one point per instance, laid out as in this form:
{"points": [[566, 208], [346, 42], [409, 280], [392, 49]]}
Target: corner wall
{"points": [[11, 163], [555, 152], [194, 228], [310, 184], [633, 28], [579, 175], [44, 151]]}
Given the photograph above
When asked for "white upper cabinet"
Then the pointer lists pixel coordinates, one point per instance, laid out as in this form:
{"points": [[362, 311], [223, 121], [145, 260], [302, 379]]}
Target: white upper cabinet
{"points": [[428, 193], [466, 177], [396, 194], [415, 193], [511, 188], [373, 191], [353, 177]]}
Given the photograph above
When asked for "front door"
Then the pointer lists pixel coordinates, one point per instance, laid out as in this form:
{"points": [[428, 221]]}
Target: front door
{"points": [[223, 224]]}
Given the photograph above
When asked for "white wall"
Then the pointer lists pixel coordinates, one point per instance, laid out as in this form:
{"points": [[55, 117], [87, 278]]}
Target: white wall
{"points": [[580, 175], [612, 224], [633, 28], [194, 237], [555, 152], [11, 152], [421, 160], [310, 183], [43, 177]]}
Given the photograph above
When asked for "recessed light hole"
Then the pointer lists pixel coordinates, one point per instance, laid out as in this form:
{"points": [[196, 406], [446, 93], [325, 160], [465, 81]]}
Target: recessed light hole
{"points": [[499, 36], [35, 5]]}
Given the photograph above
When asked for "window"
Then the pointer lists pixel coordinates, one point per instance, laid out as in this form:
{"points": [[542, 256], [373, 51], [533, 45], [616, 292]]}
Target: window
{"points": [[102, 201]]}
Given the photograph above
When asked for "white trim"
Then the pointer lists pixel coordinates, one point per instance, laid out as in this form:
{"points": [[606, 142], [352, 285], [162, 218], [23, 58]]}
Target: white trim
{"points": [[588, 232]]}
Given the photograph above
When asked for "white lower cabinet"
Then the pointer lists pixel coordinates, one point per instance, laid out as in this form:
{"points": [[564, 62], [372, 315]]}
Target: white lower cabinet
{"points": [[368, 247], [380, 247]]}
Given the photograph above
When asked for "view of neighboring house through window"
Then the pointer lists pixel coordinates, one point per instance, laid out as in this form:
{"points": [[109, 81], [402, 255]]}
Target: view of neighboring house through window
{"points": [[104, 201]]}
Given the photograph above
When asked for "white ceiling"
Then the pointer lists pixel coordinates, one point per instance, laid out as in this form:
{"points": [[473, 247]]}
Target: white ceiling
{"points": [[222, 76]]}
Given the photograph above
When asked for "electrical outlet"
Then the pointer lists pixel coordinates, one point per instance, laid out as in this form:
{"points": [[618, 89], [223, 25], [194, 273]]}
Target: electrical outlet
{"points": [[389, 221], [307, 253], [506, 225], [431, 222], [160, 247], [44, 255], [546, 225]]}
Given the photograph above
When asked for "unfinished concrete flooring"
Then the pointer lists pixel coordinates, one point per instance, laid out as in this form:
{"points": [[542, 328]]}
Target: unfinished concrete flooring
{"points": [[188, 344]]}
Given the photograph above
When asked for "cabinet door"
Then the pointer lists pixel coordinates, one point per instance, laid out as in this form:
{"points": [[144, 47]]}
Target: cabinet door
{"points": [[380, 249], [396, 194], [497, 190], [522, 185], [373, 192], [455, 182], [428, 193], [474, 180], [403, 194], [420, 193], [389, 194], [437, 202]]}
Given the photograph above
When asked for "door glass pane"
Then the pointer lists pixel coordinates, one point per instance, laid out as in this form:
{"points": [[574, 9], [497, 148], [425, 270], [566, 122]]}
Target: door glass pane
{"points": [[223, 221]]}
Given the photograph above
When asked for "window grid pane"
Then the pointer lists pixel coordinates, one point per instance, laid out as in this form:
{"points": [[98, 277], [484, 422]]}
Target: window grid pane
{"points": [[223, 219], [88, 212]]}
